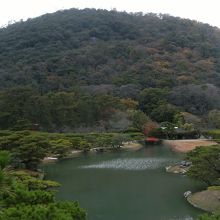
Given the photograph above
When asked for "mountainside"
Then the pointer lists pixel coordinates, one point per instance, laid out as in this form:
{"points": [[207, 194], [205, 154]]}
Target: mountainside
{"points": [[86, 47], [80, 58]]}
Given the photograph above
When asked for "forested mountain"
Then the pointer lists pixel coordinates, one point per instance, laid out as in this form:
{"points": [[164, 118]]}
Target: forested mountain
{"points": [[80, 67], [93, 47]]}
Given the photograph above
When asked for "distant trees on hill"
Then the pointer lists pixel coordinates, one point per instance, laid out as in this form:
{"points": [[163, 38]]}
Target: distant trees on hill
{"points": [[80, 64], [79, 47]]}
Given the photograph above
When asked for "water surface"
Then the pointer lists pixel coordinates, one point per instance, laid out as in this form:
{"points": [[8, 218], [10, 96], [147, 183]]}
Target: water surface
{"points": [[125, 185]]}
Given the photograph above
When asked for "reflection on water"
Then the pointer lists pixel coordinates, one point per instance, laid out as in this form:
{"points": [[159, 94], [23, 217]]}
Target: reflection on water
{"points": [[131, 164]]}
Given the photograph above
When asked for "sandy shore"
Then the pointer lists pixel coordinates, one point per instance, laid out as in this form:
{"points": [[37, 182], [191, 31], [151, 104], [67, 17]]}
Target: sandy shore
{"points": [[132, 145], [184, 146], [207, 200], [72, 154]]}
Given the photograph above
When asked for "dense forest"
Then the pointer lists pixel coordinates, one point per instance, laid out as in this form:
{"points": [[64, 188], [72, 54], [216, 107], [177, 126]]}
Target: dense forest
{"points": [[93, 70]]}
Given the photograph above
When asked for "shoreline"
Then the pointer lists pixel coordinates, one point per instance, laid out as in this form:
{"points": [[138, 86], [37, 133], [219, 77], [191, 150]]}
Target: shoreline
{"points": [[197, 199], [206, 200], [130, 145]]}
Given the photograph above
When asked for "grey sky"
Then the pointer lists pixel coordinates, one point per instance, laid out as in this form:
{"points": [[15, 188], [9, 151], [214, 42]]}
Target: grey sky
{"points": [[206, 11]]}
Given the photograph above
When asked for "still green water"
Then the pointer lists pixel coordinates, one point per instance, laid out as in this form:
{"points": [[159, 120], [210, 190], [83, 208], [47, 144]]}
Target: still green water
{"points": [[125, 185]]}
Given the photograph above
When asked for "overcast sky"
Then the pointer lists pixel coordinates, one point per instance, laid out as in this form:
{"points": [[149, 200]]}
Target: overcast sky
{"points": [[206, 11]]}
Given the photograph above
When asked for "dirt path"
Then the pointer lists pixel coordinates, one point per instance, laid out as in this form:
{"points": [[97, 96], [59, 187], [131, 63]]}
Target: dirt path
{"points": [[184, 146]]}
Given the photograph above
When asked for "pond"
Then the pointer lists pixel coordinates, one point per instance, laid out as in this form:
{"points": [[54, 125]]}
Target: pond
{"points": [[126, 185]]}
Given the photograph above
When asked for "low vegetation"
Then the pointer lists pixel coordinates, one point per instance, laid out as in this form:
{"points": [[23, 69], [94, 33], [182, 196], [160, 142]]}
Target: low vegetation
{"points": [[209, 217], [213, 133], [26, 197], [205, 164]]}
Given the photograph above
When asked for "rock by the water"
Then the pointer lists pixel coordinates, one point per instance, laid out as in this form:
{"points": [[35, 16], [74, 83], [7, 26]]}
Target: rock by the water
{"points": [[187, 194]]}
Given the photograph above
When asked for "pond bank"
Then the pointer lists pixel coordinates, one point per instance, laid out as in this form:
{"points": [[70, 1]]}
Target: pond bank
{"points": [[129, 145], [184, 146], [207, 200], [196, 199], [177, 169], [115, 178]]}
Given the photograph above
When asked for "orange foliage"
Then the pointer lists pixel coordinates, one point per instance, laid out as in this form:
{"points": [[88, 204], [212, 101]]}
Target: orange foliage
{"points": [[129, 103], [149, 126]]}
